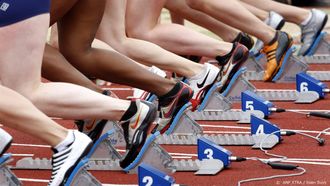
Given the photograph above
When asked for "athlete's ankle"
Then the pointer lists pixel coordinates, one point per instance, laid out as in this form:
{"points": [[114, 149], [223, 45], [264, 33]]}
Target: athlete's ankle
{"points": [[169, 96], [68, 140], [130, 112], [224, 58]]}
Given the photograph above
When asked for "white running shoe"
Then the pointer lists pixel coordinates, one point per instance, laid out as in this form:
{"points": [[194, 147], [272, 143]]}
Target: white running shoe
{"points": [[5, 141], [202, 82], [312, 29], [65, 161]]}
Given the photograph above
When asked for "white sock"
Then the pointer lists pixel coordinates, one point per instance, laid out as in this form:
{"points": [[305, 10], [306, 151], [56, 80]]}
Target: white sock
{"points": [[67, 141], [304, 23], [199, 75]]}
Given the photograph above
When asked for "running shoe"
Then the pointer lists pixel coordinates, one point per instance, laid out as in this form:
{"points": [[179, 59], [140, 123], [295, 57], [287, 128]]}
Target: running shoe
{"points": [[93, 127], [275, 53], [274, 20], [245, 40], [169, 108], [136, 131], [232, 64], [202, 82], [311, 30], [5, 141], [65, 161]]}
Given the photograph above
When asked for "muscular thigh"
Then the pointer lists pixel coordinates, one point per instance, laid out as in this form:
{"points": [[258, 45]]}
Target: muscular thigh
{"points": [[78, 27]]}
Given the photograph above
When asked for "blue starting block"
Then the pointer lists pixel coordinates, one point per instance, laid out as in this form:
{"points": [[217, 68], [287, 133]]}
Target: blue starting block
{"points": [[149, 175], [209, 150], [7, 177], [307, 83], [263, 129], [251, 101]]}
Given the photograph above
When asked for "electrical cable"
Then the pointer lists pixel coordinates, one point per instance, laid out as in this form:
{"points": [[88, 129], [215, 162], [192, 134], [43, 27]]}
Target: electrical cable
{"points": [[272, 177]]}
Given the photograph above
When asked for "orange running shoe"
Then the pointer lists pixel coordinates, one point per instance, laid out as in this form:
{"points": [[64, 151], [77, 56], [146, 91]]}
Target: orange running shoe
{"points": [[275, 53]]}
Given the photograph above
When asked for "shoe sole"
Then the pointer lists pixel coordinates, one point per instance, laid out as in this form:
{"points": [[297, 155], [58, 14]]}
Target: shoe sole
{"points": [[70, 170], [177, 109], [134, 152], [318, 33], [234, 70], [6, 147], [281, 60]]}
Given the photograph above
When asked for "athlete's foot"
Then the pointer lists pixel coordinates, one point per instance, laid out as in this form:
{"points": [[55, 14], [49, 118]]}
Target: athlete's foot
{"points": [[5, 141], [312, 29], [231, 63], [244, 39], [202, 82], [136, 130], [275, 52], [274, 20], [67, 156], [170, 104]]}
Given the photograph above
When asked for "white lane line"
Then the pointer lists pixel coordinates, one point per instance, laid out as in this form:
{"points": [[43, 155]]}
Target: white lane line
{"points": [[23, 155], [304, 159], [29, 145], [33, 180], [306, 162], [225, 132], [225, 126]]}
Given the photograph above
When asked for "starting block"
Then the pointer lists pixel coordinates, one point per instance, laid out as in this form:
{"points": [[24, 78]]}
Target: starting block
{"points": [[185, 131], [6, 176], [307, 95], [104, 155], [149, 175], [217, 107], [81, 177], [264, 133]]}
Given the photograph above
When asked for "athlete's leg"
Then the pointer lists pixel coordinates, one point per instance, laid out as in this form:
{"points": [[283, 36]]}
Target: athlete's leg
{"points": [[112, 31], [261, 14], [103, 64], [18, 113], [290, 13], [234, 14], [181, 8], [176, 18], [173, 37], [23, 54], [54, 64]]}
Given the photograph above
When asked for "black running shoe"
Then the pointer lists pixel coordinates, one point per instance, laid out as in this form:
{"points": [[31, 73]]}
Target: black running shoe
{"points": [[136, 131]]}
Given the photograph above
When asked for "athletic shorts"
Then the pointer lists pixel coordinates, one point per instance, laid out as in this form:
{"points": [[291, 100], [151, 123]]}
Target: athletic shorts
{"points": [[13, 11]]}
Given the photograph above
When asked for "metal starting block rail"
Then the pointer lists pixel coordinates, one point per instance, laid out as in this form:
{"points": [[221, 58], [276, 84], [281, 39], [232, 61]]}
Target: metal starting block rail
{"points": [[308, 89], [6, 176], [104, 155]]}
